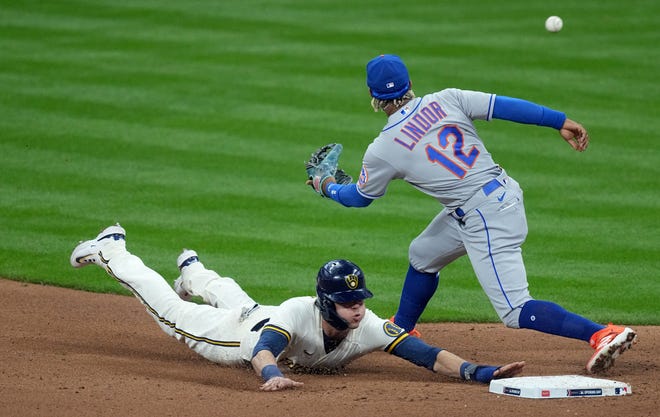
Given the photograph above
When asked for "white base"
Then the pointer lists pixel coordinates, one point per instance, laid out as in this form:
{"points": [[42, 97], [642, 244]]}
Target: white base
{"points": [[561, 386]]}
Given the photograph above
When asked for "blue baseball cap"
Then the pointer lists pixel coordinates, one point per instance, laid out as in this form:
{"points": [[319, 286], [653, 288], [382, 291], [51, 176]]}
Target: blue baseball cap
{"points": [[387, 77]]}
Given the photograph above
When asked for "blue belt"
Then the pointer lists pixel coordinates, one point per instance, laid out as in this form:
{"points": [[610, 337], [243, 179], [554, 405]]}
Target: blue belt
{"points": [[491, 186], [488, 189]]}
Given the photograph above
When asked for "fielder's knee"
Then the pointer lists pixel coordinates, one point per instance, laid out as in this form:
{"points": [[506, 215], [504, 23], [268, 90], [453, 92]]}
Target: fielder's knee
{"points": [[511, 319]]}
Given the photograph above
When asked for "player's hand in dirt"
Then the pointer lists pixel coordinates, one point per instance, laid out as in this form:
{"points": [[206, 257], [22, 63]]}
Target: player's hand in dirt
{"points": [[510, 370], [279, 383]]}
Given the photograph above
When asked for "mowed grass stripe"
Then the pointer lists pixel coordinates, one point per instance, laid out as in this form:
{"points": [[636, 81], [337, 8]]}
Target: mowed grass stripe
{"points": [[189, 123]]}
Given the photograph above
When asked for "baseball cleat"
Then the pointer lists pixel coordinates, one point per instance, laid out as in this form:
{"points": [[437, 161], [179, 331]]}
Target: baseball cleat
{"points": [[186, 258], [415, 333], [609, 343], [89, 251]]}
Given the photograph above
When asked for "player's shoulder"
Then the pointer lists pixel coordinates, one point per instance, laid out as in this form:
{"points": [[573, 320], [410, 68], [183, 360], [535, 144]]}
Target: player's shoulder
{"points": [[457, 92], [294, 310], [381, 325], [376, 333], [462, 99], [451, 93], [299, 302], [446, 97]]}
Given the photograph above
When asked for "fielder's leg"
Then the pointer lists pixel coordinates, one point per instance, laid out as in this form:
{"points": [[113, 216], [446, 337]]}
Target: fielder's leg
{"points": [[493, 236], [437, 246]]}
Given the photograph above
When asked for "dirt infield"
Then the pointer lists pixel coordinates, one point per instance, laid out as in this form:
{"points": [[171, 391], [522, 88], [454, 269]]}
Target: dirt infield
{"points": [[73, 353]]}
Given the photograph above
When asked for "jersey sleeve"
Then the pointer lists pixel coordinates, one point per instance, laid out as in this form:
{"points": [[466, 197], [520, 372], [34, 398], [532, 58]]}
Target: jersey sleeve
{"points": [[295, 320], [288, 319], [416, 351], [475, 104], [272, 339], [385, 335], [376, 174], [379, 334]]}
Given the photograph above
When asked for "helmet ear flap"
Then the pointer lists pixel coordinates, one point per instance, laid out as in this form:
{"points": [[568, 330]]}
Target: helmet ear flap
{"points": [[329, 312]]}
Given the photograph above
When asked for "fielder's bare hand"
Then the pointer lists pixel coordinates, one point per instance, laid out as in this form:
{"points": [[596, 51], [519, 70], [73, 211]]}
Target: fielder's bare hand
{"points": [[510, 370], [279, 383], [575, 134]]}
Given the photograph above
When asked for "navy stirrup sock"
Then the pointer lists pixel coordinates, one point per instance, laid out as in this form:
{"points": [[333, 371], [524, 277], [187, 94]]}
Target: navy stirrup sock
{"points": [[551, 318], [418, 288]]}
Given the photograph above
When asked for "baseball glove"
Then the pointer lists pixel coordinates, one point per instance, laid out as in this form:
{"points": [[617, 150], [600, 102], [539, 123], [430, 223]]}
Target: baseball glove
{"points": [[322, 164]]}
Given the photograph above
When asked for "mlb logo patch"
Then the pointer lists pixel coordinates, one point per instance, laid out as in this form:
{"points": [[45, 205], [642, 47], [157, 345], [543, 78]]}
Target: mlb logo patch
{"points": [[389, 85], [364, 177]]}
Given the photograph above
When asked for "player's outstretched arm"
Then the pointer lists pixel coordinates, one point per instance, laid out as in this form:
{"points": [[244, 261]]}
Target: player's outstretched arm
{"points": [[452, 365], [446, 363], [523, 111], [575, 134]]}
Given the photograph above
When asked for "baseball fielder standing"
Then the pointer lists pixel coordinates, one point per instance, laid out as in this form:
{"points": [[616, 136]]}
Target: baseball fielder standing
{"points": [[304, 333], [431, 143]]}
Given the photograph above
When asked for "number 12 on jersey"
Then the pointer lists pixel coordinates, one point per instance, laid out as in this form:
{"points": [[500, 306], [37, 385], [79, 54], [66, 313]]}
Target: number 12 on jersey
{"points": [[459, 161]]}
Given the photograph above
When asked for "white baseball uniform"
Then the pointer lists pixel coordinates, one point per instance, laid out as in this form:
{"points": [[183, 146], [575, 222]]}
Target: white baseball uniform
{"points": [[226, 329]]}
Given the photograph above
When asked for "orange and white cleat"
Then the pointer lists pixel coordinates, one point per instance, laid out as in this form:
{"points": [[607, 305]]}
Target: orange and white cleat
{"points": [[609, 343]]}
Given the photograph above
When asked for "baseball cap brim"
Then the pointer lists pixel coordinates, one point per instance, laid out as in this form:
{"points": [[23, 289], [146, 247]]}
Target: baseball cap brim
{"points": [[348, 296]]}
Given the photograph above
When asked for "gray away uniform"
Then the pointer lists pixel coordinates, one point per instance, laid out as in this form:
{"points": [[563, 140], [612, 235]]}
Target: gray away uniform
{"points": [[432, 144]]}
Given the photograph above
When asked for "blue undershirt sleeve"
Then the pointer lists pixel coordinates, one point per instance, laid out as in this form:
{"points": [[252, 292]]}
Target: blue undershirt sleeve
{"points": [[272, 341], [522, 111], [347, 195], [415, 350]]}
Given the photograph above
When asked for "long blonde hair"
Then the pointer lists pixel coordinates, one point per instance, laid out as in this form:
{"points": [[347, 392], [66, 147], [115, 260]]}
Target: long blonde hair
{"points": [[378, 104]]}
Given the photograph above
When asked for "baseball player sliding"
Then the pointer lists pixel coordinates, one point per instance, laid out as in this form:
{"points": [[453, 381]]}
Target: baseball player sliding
{"points": [[431, 143], [304, 333]]}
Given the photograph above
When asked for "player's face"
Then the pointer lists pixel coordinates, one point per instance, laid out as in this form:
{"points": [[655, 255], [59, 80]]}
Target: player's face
{"points": [[352, 312]]}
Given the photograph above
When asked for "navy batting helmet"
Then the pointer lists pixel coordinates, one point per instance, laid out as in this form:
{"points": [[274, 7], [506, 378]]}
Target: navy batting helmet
{"points": [[339, 281]]}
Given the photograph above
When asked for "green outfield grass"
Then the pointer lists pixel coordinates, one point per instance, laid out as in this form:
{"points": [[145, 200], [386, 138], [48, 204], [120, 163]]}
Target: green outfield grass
{"points": [[188, 123]]}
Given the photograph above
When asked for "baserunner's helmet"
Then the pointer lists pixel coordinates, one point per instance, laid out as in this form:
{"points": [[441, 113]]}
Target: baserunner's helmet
{"points": [[339, 281]]}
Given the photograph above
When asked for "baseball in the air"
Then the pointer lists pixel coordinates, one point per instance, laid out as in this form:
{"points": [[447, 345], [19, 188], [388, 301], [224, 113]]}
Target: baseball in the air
{"points": [[553, 24]]}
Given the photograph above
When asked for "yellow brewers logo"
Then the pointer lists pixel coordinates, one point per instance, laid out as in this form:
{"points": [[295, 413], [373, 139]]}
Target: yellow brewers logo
{"points": [[352, 281], [392, 329]]}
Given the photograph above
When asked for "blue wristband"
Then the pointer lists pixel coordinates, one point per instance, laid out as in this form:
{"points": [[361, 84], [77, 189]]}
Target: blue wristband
{"points": [[472, 372], [270, 371]]}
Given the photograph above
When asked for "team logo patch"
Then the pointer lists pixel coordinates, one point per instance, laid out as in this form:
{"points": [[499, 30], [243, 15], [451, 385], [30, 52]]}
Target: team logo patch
{"points": [[392, 329], [352, 281]]}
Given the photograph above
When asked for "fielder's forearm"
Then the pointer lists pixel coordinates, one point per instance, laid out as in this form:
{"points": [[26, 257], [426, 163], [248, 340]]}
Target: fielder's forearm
{"points": [[346, 195], [522, 111]]}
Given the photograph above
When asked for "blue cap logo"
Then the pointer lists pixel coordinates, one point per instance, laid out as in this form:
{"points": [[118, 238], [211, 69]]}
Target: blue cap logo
{"points": [[387, 77]]}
